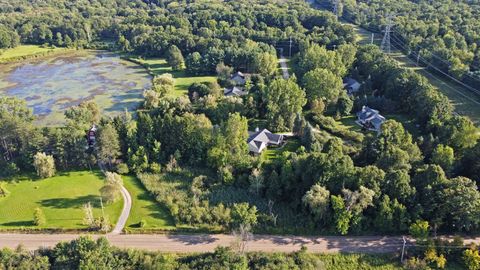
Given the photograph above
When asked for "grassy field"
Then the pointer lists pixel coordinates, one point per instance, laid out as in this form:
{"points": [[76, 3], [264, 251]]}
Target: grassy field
{"points": [[144, 207], [158, 66], [25, 51], [61, 198]]}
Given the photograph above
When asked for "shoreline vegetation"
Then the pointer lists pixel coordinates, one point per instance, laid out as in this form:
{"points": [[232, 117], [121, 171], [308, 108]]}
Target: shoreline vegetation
{"points": [[26, 52]]}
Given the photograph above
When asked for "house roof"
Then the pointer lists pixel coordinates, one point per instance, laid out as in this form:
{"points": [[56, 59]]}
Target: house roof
{"points": [[238, 74], [367, 113], [234, 91], [351, 84], [372, 116], [259, 140]]}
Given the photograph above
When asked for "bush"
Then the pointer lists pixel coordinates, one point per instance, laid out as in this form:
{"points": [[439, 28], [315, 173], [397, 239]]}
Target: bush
{"points": [[3, 190], [110, 193], [122, 169], [44, 165], [38, 217]]}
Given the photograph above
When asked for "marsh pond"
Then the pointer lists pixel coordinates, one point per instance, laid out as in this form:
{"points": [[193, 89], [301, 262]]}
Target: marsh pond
{"points": [[53, 84]]}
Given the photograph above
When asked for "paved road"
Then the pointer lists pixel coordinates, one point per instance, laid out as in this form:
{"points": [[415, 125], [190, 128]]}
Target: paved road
{"points": [[127, 206], [208, 242], [205, 242], [284, 66]]}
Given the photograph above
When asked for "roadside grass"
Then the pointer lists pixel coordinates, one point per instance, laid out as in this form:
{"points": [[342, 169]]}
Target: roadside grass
{"points": [[159, 66], [61, 199], [273, 153], [144, 207], [25, 51], [360, 261]]}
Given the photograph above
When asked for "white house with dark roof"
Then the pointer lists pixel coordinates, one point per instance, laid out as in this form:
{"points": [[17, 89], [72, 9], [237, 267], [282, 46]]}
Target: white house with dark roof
{"points": [[239, 78], [370, 118], [234, 91], [351, 85], [261, 139]]}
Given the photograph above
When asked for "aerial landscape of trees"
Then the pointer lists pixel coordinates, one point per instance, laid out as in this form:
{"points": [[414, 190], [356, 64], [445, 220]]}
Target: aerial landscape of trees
{"points": [[442, 35], [419, 173]]}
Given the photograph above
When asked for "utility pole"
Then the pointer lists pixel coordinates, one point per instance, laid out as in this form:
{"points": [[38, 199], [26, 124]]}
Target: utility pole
{"points": [[386, 46], [290, 49], [373, 35], [403, 248]]}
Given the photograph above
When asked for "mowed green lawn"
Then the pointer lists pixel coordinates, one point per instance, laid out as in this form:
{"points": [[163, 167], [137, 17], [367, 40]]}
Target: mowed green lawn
{"points": [[159, 66], [25, 51], [144, 207], [61, 198]]}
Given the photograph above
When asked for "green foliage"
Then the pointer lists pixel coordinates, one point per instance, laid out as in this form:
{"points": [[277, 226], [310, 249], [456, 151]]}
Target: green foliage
{"points": [[122, 168], [175, 58], [323, 84], [44, 164], [108, 143], [471, 258], [39, 217], [419, 230], [230, 148], [3, 190], [244, 214], [284, 99], [443, 155], [341, 215], [317, 199]]}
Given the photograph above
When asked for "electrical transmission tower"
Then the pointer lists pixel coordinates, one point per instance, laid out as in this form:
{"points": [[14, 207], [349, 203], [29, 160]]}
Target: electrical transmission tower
{"points": [[386, 45]]}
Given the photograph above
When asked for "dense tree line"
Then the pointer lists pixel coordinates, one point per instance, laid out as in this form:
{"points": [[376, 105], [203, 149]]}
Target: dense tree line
{"points": [[237, 33]]}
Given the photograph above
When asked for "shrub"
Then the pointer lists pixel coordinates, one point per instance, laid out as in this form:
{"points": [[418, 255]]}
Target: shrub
{"points": [[3, 190], [44, 165], [38, 217], [122, 169], [110, 193]]}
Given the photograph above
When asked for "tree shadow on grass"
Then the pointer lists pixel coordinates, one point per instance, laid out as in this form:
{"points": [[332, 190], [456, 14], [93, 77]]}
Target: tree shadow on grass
{"points": [[18, 223], [63, 203]]}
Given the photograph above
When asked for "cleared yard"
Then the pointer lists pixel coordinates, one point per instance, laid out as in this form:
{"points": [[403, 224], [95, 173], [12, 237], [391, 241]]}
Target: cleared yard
{"points": [[158, 66], [273, 153], [61, 198], [144, 207]]}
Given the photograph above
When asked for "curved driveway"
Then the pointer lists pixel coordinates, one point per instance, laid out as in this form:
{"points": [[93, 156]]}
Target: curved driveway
{"points": [[127, 206]]}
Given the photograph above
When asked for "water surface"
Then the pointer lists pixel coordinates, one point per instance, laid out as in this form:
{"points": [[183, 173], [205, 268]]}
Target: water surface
{"points": [[51, 85]]}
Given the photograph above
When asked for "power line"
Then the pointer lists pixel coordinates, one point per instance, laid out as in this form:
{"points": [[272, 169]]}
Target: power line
{"points": [[443, 82], [386, 45], [440, 58], [436, 68]]}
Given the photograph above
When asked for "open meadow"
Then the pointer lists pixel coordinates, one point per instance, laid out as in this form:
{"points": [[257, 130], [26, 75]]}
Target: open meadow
{"points": [[61, 199]]}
